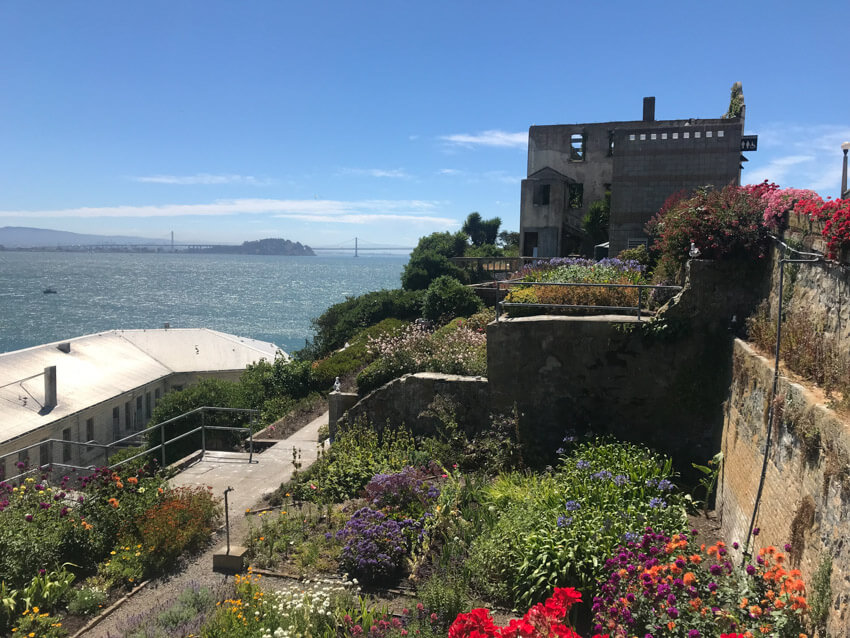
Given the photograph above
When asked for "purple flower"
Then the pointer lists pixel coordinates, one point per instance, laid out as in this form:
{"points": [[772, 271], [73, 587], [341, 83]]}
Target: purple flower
{"points": [[657, 503], [572, 506], [582, 464], [787, 547], [735, 545], [664, 484], [28, 518], [756, 531], [565, 521], [751, 570], [621, 479], [693, 633]]}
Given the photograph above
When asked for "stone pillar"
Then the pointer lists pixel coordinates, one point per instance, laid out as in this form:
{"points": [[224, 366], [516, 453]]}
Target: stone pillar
{"points": [[338, 404]]}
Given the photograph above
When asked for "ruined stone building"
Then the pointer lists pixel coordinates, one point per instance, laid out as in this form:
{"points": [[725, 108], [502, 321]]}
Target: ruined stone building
{"points": [[640, 162]]}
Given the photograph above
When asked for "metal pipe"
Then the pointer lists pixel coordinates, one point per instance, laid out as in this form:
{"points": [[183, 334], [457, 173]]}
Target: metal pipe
{"points": [[227, 518]]}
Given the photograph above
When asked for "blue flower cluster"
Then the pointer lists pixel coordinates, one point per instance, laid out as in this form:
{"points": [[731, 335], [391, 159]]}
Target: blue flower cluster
{"points": [[408, 491], [375, 546]]}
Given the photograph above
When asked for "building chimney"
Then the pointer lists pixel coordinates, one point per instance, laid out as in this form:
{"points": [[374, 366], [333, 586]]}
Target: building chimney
{"points": [[50, 387], [649, 109], [64, 347]]}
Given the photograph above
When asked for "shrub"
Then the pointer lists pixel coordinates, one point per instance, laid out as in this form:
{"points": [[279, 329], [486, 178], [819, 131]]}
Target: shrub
{"points": [[406, 494], [86, 601], [447, 298], [375, 546], [358, 453], [454, 349], [723, 224], [343, 320], [556, 530], [425, 267], [673, 586]]}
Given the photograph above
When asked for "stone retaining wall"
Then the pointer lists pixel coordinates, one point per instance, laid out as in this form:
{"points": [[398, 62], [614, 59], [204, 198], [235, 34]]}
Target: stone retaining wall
{"points": [[806, 496]]}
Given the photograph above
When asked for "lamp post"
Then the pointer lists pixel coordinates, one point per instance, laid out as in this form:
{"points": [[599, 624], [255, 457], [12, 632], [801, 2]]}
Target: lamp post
{"points": [[844, 147]]}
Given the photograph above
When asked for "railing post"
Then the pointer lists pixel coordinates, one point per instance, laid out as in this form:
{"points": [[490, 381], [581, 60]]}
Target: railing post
{"points": [[162, 440], [498, 293], [640, 301], [251, 444], [203, 436]]}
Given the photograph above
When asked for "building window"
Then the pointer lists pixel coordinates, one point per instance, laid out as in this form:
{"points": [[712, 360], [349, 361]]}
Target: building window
{"points": [[24, 457], [177, 388], [89, 430], [116, 423], [541, 195], [66, 447], [156, 395], [697, 134], [643, 137], [147, 405], [577, 144], [675, 136], [576, 197], [686, 134], [720, 133], [128, 415], [653, 136], [139, 415], [611, 143], [44, 456], [632, 137], [634, 242], [664, 136], [708, 133], [529, 245]]}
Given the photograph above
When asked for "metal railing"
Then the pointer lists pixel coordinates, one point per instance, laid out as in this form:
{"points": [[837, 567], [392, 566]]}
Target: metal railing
{"points": [[637, 308], [129, 441]]}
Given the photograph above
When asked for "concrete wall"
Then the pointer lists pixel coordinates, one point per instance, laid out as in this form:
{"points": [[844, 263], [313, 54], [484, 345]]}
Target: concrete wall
{"points": [[408, 399], [806, 497]]}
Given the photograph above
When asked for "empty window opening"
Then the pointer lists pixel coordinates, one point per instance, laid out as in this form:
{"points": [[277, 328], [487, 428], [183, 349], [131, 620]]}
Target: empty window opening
{"points": [[642, 137], [708, 133], [577, 141], [675, 136], [686, 134], [611, 143], [44, 456], [576, 195], [653, 136], [66, 447], [664, 136], [529, 247], [632, 137], [634, 242], [697, 134], [541, 195], [720, 133], [90, 428]]}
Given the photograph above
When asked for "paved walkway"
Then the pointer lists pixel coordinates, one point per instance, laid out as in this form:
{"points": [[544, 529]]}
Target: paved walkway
{"points": [[250, 482]]}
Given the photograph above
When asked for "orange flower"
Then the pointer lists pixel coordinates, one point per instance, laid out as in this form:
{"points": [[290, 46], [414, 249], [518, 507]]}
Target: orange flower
{"points": [[132, 480], [755, 611], [671, 625], [119, 485], [696, 559], [113, 502], [689, 578], [744, 603]]}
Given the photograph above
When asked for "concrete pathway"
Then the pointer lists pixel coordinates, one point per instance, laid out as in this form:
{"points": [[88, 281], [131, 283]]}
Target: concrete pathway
{"points": [[250, 482]]}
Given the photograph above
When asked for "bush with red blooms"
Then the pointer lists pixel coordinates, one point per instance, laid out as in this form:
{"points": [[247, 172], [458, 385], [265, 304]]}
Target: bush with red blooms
{"points": [[836, 215], [545, 620]]}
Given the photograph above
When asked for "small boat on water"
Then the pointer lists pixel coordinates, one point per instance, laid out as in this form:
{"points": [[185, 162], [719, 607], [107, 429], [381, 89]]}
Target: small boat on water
{"points": [[49, 291]]}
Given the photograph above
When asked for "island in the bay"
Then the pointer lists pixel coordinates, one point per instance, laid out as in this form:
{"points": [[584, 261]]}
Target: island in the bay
{"points": [[270, 246]]}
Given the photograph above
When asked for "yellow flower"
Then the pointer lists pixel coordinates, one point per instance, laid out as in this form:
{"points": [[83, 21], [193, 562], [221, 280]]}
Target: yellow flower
{"points": [[35, 610]]}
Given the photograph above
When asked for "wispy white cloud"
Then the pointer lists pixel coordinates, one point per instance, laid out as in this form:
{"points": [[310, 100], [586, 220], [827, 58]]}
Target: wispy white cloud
{"points": [[315, 210], [449, 171], [377, 172], [200, 179], [494, 138], [477, 178], [802, 156]]}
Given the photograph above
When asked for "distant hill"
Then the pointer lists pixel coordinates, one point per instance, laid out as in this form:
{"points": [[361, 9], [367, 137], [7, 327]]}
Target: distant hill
{"points": [[264, 247], [22, 237]]}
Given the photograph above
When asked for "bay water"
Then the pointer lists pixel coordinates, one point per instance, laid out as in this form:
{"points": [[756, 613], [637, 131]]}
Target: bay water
{"points": [[269, 298]]}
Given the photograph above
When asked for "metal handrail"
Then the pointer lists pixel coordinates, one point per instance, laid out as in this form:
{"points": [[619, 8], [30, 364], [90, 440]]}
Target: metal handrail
{"points": [[641, 287], [161, 446]]}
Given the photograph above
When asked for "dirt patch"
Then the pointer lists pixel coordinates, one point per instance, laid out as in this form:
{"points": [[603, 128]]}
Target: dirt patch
{"points": [[708, 527]]}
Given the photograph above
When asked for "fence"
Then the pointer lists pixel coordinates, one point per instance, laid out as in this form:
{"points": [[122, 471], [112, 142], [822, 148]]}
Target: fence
{"points": [[47, 447], [637, 308]]}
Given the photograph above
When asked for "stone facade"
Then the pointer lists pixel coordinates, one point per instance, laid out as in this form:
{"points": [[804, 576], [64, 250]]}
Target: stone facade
{"points": [[641, 162], [409, 400], [806, 496]]}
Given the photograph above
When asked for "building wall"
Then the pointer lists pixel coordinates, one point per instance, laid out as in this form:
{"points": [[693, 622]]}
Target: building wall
{"points": [[643, 162], [141, 402], [654, 160], [806, 495]]}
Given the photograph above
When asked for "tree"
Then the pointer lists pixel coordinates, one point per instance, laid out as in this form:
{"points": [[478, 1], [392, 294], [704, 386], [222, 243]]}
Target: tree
{"points": [[595, 222], [432, 258], [481, 231], [447, 298]]}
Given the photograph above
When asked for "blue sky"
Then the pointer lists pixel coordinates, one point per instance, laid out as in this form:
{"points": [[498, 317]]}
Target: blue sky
{"points": [[322, 121]]}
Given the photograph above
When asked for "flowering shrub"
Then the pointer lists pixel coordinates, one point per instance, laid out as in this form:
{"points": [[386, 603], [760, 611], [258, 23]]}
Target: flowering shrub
{"points": [[671, 586], [578, 270], [543, 620], [779, 202], [722, 224], [454, 349], [836, 215], [408, 493], [557, 530], [376, 546]]}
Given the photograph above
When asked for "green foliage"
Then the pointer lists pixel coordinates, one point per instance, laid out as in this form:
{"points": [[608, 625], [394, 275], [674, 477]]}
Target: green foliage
{"points": [[446, 595], [557, 530], [297, 538], [509, 241], [85, 600], [447, 298], [426, 266], [358, 453], [708, 480], [596, 220], [431, 258], [639, 253], [209, 392], [481, 231], [343, 320], [820, 601]]}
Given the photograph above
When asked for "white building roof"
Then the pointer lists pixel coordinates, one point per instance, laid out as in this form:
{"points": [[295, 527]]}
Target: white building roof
{"points": [[105, 365]]}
